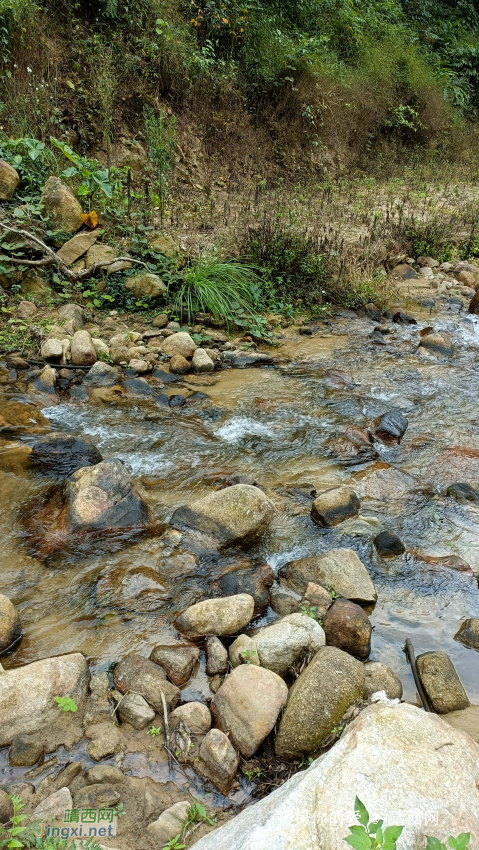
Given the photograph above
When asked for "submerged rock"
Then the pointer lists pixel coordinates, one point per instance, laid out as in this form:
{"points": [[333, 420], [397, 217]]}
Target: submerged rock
{"points": [[10, 626], [441, 682], [97, 499], [230, 515], [63, 454], [339, 569], [317, 701], [399, 753], [335, 505], [247, 706], [224, 616]]}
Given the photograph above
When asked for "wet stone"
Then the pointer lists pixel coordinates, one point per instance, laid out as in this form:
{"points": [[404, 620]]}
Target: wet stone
{"points": [[388, 545], [441, 682], [468, 633]]}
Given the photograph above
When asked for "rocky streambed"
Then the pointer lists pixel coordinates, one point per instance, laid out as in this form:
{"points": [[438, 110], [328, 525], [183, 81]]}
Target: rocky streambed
{"points": [[244, 551]]}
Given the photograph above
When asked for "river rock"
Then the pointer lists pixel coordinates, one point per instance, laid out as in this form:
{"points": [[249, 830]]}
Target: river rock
{"points": [[194, 715], [139, 675], [6, 805], [61, 207], [51, 350], [218, 760], [348, 627], [10, 626], [253, 580], [73, 312], [243, 650], [42, 681], [339, 569], [217, 657], [380, 677], [177, 661], [224, 616], [25, 751], [169, 824], [247, 706], [82, 349], [335, 505], [317, 598], [202, 362], [441, 682], [229, 515], [317, 701], [468, 634], [439, 343], [63, 454], [281, 645], [399, 753], [179, 365], [145, 285], [9, 180], [134, 709], [179, 343], [391, 427], [388, 545]]}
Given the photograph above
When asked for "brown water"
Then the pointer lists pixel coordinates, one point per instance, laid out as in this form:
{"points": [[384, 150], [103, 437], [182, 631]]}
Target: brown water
{"points": [[285, 427]]}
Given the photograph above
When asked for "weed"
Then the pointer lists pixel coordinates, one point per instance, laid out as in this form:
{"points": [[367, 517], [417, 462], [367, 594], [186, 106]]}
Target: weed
{"points": [[66, 704]]}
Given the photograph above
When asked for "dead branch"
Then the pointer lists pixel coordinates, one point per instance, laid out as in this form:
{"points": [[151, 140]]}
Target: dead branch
{"points": [[54, 259]]}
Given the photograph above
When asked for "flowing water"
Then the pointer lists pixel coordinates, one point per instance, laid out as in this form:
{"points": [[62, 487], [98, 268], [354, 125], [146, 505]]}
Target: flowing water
{"points": [[292, 428]]}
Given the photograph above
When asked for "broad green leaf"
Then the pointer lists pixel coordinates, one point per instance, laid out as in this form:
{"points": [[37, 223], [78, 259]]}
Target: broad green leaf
{"points": [[359, 842], [361, 812]]}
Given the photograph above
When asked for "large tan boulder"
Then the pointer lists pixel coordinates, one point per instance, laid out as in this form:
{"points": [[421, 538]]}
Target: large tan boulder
{"points": [[229, 515], [247, 706], [9, 180], [404, 764], [62, 208]]}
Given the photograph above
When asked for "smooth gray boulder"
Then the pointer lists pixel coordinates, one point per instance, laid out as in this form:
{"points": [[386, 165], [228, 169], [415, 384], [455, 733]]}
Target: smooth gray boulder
{"points": [[398, 759]]}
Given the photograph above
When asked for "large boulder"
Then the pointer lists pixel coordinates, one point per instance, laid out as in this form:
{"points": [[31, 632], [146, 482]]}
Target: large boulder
{"points": [[441, 682], [9, 180], [82, 349], [138, 675], [334, 506], [317, 701], [63, 454], [230, 515], [339, 569], [99, 500], [225, 616], [10, 626], [27, 696], [347, 626], [146, 286], [247, 706], [179, 343], [281, 645], [61, 207], [402, 763]]}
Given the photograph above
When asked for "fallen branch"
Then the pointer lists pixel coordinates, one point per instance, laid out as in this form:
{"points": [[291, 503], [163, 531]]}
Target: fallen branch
{"points": [[54, 260]]}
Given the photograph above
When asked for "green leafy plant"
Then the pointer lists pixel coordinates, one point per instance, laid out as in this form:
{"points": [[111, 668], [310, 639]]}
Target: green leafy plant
{"points": [[160, 135], [66, 703], [220, 288], [371, 835], [459, 843]]}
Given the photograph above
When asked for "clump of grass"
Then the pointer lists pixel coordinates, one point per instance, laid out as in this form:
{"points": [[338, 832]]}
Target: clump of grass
{"points": [[221, 288]]}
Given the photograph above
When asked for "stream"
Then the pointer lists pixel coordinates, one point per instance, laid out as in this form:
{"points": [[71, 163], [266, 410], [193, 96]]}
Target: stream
{"points": [[294, 428]]}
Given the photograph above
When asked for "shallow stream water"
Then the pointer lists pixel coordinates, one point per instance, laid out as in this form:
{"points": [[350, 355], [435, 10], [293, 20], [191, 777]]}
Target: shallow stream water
{"points": [[290, 428]]}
